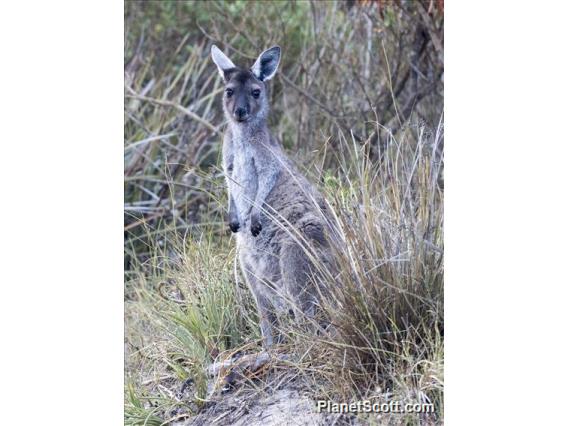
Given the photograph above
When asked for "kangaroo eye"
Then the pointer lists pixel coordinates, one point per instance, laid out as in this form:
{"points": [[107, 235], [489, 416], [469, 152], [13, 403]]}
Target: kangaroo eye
{"points": [[256, 93], [229, 92]]}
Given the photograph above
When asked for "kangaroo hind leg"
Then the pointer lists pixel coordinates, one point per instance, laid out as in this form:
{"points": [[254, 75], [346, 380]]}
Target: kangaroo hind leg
{"points": [[268, 320], [297, 272]]}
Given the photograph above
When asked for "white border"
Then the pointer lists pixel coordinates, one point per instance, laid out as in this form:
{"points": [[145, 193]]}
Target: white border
{"points": [[61, 308], [61, 311], [505, 212]]}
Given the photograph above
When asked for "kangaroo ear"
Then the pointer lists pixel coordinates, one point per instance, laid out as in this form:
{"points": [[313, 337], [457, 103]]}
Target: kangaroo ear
{"points": [[223, 63], [267, 63]]}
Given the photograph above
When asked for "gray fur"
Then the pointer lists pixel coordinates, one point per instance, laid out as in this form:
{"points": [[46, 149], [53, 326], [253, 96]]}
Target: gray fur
{"points": [[221, 60], [267, 63], [277, 214]]}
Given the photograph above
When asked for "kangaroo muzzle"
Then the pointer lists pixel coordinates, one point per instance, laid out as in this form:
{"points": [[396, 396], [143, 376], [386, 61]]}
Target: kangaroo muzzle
{"points": [[241, 114]]}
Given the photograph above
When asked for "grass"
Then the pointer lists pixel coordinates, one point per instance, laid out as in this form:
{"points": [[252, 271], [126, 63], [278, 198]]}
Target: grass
{"points": [[181, 314], [184, 307], [342, 70]]}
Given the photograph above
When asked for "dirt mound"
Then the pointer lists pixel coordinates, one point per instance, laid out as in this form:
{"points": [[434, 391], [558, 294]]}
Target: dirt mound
{"points": [[282, 407]]}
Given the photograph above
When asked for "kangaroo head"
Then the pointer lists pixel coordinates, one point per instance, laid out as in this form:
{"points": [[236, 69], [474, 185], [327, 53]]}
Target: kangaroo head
{"points": [[245, 99]]}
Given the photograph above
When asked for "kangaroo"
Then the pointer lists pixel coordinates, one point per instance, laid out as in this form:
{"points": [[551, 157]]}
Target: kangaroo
{"points": [[278, 216]]}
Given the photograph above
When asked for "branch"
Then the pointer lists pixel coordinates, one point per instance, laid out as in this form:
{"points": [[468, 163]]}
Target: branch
{"points": [[179, 108]]}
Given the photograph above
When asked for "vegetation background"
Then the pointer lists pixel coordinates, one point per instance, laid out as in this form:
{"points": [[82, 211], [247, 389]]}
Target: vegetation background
{"points": [[358, 103]]}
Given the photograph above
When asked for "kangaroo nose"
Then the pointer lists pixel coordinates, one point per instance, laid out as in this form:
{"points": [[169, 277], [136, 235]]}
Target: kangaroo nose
{"points": [[241, 113]]}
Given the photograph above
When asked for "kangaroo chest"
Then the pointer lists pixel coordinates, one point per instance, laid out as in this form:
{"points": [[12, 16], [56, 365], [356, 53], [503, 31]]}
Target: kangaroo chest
{"points": [[244, 180]]}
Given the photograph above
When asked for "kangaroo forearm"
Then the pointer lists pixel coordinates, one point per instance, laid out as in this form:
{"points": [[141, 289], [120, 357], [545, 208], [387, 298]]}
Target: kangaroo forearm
{"points": [[265, 185], [233, 214], [234, 222]]}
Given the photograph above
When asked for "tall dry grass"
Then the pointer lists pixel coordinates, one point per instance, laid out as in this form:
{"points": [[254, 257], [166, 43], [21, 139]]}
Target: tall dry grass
{"points": [[385, 306], [344, 66]]}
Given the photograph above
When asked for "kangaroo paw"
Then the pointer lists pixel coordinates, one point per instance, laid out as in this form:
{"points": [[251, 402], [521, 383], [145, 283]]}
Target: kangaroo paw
{"points": [[255, 226], [234, 225]]}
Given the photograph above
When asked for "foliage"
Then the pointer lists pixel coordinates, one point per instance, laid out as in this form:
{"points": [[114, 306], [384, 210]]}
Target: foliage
{"points": [[343, 68]]}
